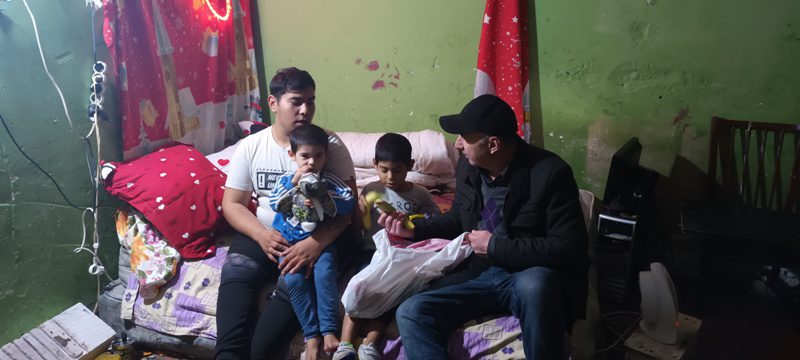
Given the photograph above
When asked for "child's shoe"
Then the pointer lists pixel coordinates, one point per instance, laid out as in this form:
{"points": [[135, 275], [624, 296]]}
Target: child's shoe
{"points": [[368, 352], [321, 355], [346, 351]]}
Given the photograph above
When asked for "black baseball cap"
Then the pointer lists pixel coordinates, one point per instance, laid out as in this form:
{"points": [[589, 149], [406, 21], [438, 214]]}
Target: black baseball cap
{"points": [[486, 114]]}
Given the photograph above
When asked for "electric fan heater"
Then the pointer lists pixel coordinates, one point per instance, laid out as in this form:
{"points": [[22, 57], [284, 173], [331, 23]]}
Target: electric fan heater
{"points": [[659, 305]]}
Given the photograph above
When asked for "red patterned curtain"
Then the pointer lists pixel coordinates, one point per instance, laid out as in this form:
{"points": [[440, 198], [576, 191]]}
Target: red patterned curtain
{"points": [[185, 71], [503, 58]]}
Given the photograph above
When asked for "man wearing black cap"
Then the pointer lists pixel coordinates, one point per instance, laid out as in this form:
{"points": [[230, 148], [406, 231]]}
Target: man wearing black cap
{"points": [[520, 207]]}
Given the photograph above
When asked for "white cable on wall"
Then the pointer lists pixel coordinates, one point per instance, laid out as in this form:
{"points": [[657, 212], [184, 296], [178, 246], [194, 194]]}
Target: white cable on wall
{"points": [[44, 63], [96, 104], [95, 4], [98, 77]]}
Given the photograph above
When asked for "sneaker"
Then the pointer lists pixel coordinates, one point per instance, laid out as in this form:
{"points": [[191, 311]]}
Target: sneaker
{"points": [[368, 352], [346, 351], [321, 355]]}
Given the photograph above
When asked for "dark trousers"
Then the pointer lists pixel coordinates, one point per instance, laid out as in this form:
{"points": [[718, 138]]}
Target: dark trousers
{"points": [[243, 333], [536, 296]]}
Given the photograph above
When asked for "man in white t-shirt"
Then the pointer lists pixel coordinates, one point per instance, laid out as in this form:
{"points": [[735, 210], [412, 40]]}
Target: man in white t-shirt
{"points": [[257, 164]]}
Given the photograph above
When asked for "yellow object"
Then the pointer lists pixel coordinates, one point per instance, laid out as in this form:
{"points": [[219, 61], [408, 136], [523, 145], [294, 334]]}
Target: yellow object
{"points": [[385, 206], [108, 355], [416, 216], [370, 197], [373, 198]]}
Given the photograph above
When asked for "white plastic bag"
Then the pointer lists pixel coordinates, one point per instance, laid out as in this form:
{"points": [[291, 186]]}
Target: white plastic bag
{"points": [[394, 274]]}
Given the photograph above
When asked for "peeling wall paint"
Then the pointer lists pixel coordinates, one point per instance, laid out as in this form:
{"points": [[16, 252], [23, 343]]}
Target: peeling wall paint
{"points": [[659, 71], [609, 69], [394, 66]]}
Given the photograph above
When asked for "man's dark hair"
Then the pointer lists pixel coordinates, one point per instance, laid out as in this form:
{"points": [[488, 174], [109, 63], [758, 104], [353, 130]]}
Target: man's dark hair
{"points": [[308, 134], [393, 147], [290, 79]]}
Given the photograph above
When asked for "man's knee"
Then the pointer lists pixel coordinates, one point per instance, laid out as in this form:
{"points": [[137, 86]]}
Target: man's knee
{"points": [[410, 309], [536, 283], [240, 268]]}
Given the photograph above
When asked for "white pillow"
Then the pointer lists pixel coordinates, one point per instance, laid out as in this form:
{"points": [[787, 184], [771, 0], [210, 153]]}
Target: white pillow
{"points": [[433, 154]]}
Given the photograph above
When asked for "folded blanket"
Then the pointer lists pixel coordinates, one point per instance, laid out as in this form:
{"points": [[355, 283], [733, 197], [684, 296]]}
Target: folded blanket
{"points": [[153, 261], [185, 305]]}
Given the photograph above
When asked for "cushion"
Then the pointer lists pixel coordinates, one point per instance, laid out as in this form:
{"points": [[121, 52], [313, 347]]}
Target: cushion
{"points": [[222, 159], [251, 127], [432, 153], [178, 191]]}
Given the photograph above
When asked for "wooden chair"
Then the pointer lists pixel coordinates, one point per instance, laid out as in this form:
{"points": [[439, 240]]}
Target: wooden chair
{"points": [[753, 191], [749, 159]]}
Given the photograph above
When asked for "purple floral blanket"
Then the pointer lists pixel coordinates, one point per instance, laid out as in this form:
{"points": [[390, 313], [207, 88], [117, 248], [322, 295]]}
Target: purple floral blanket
{"points": [[185, 305]]}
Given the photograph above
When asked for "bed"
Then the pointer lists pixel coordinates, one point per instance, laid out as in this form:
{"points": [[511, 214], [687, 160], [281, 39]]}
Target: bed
{"points": [[180, 314]]}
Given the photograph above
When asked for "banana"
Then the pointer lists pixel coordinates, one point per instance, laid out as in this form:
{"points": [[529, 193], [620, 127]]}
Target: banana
{"points": [[373, 198]]}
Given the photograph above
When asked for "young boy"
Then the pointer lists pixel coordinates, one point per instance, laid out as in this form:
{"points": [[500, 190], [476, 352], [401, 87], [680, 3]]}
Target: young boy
{"points": [[315, 302], [393, 162]]}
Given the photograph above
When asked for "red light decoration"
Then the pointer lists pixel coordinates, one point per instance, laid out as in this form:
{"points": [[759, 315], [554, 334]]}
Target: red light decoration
{"points": [[216, 14]]}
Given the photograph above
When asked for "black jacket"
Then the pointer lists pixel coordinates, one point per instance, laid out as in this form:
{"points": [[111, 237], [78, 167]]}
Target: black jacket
{"points": [[542, 215]]}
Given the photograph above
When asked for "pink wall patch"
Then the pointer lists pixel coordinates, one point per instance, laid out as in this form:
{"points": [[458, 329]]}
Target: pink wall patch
{"points": [[390, 75], [373, 65]]}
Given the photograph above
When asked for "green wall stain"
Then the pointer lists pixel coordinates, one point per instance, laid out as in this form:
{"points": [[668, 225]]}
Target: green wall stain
{"points": [[635, 66], [40, 276], [608, 69], [379, 66]]}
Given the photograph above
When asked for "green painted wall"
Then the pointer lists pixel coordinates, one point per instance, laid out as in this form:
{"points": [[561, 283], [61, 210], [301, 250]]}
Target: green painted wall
{"points": [[659, 70], [429, 46], [608, 69], [40, 276]]}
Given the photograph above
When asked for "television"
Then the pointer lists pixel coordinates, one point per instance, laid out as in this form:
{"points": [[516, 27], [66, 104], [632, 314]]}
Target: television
{"points": [[629, 185]]}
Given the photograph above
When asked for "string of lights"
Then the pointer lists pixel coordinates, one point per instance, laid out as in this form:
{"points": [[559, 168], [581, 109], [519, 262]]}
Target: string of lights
{"points": [[216, 14]]}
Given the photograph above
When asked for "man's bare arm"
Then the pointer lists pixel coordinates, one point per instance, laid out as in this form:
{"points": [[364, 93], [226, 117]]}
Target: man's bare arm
{"points": [[234, 208]]}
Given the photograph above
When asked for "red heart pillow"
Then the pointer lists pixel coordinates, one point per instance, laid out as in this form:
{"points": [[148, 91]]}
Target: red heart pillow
{"points": [[178, 190]]}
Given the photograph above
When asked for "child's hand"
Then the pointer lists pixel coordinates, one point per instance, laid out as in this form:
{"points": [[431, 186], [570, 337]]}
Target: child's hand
{"points": [[299, 173], [308, 203]]}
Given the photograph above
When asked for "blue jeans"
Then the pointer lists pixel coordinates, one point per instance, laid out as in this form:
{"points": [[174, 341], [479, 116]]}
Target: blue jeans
{"points": [[316, 300], [536, 296]]}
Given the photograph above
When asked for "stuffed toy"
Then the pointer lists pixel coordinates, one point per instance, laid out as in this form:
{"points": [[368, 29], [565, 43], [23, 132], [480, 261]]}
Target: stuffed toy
{"points": [[312, 187]]}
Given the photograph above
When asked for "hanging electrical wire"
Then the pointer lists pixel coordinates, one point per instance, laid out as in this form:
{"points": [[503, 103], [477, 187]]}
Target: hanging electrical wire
{"points": [[44, 63], [58, 187], [94, 113]]}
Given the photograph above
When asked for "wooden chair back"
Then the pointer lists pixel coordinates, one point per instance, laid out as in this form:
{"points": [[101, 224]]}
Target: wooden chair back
{"points": [[756, 164]]}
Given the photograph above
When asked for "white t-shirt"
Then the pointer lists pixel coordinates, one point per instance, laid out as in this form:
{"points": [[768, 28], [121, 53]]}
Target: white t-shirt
{"points": [[259, 162]]}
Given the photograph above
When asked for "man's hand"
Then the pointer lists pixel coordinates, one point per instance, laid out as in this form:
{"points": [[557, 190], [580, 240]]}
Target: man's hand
{"points": [[393, 223], [479, 240], [303, 253], [272, 243]]}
